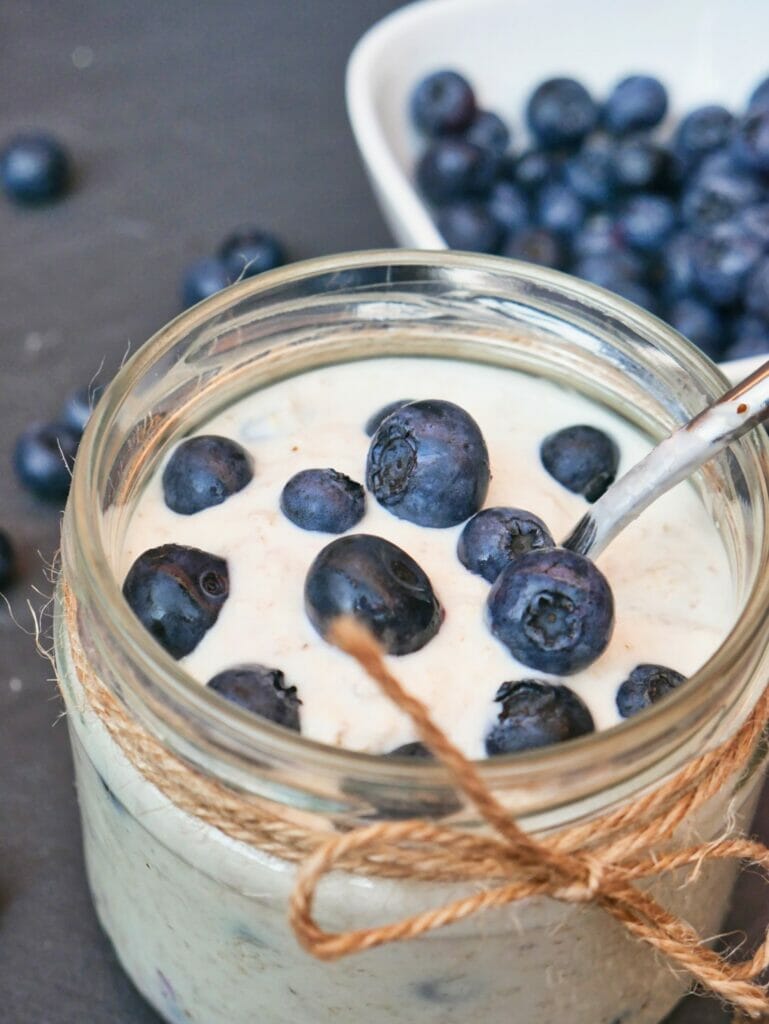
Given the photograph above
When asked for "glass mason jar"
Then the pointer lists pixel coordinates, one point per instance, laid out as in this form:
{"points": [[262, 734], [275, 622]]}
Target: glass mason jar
{"points": [[199, 919]]}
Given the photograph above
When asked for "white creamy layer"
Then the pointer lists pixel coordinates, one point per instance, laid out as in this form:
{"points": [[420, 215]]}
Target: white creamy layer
{"points": [[673, 593]]}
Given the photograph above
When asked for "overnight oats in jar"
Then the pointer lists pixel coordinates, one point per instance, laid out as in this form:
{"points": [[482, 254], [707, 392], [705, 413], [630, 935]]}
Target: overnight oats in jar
{"points": [[404, 437]]}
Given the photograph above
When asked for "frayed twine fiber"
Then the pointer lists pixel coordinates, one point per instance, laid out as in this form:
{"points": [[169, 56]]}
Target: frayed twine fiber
{"points": [[595, 862]]}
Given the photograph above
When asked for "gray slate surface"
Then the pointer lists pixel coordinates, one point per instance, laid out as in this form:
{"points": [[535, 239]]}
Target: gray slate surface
{"points": [[187, 120]]}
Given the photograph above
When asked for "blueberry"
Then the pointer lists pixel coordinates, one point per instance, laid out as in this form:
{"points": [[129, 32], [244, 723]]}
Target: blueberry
{"points": [[442, 102], [610, 270], [488, 131], [639, 101], [453, 169], [495, 536], [469, 226], [7, 560], [559, 209], [203, 279], [702, 131], [415, 750], [750, 144], [590, 173], [536, 245], [723, 260], [323, 500], [760, 96], [535, 714], [43, 459], [79, 406], [599, 236], [553, 610], [755, 220], [750, 337], [647, 221], [177, 593], [372, 423], [204, 471], [380, 585], [582, 458], [645, 685], [532, 169], [677, 266], [262, 691], [428, 463], [561, 112], [699, 323], [757, 290], [717, 195], [508, 206], [34, 169], [635, 292], [642, 164], [249, 252]]}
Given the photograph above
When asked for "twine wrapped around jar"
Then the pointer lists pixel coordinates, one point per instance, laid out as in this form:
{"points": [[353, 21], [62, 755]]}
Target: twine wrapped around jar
{"points": [[594, 862]]}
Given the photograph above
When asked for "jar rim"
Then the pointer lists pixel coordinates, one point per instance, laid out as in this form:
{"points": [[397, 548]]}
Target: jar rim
{"points": [[248, 739]]}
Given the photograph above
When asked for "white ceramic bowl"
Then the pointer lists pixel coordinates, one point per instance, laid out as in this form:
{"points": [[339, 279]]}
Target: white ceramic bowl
{"points": [[704, 50]]}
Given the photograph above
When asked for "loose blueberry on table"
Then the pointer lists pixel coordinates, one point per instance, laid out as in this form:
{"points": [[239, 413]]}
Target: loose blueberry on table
{"points": [[204, 471], [34, 169], [262, 691], [43, 458], [678, 213], [7, 560], [177, 592]]}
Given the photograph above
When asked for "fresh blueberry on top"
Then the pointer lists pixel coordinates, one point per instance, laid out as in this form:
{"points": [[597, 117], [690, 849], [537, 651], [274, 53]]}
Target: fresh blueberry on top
{"points": [[561, 112], [204, 471], [454, 169], [43, 459], [380, 585], [323, 500], [260, 690], [372, 423], [703, 131], [582, 458], [488, 131], [553, 610], [442, 103], [635, 103], [7, 560], [750, 144], [249, 252], [507, 205], [559, 209], [647, 221], [414, 750], [641, 164], [34, 169], [203, 279], [177, 592], [723, 259], [536, 245], [470, 226], [495, 536], [79, 406], [428, 463], [535, 714], [645, 685], [532, 169], [699, 323]]}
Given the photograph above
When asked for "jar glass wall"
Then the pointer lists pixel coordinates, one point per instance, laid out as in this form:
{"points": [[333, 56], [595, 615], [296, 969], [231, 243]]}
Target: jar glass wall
{"points": [[198, 919]]}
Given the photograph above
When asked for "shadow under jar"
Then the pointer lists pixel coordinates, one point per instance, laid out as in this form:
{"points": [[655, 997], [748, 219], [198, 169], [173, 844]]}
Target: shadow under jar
{"points": [[198, 918]]}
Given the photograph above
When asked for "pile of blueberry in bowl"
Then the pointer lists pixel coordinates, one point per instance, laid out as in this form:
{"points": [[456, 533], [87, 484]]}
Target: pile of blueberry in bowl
{"points": [[673, 219]]}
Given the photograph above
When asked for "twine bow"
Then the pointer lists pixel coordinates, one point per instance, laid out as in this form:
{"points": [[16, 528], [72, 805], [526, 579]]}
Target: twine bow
{"points": [[596, 863]]}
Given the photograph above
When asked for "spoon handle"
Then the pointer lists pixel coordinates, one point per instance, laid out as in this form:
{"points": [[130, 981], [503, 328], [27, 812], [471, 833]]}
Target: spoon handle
{"points": [[739, 410]]}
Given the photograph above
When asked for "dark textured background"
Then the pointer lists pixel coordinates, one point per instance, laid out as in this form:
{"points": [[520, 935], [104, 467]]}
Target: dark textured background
{"points": [[186, 120]]}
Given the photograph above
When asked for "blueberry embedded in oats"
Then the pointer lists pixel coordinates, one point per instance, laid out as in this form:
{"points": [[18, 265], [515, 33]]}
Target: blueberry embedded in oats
{"points": [[645, 685], [177, 593], [374, 421], [262, 691], [323, 500], [204, 471], [582, 458], [535, 713], [495, 536]]}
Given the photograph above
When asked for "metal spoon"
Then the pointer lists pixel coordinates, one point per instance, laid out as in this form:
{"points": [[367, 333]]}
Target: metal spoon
{"points": [[671, 461]]}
